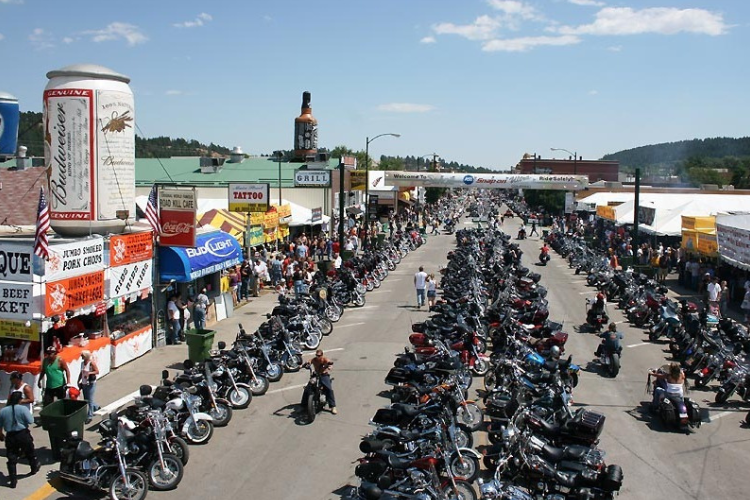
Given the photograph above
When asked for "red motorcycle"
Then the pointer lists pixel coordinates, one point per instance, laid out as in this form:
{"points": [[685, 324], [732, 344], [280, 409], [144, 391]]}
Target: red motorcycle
{"points": [[470, 355]]}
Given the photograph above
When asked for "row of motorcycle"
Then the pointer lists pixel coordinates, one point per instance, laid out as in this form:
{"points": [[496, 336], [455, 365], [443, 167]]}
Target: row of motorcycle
{"points": [[146, 444], [711, 349], [491, 322]]}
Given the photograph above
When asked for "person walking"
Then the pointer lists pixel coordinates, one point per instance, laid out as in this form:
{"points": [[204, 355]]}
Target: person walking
{"points": [[200, 309], [87, 381], [173, 312], [723, 299], [55, 376], [420, 282], [15, 420], [431, 290], [27, 393], [533, 228]]}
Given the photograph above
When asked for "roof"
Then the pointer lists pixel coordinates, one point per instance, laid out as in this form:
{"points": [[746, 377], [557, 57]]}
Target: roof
{"points": [[19, 197], [186, 170]]}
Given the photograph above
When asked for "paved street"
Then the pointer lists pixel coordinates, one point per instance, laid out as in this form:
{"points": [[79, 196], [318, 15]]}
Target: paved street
{"points": [[265, 451]]}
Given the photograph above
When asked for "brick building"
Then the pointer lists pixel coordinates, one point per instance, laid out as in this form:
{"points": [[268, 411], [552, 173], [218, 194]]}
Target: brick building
{"points": [[597, 170]]}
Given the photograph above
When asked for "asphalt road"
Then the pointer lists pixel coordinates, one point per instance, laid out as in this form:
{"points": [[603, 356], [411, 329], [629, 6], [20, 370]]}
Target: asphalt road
{"points": [[266, 451]]}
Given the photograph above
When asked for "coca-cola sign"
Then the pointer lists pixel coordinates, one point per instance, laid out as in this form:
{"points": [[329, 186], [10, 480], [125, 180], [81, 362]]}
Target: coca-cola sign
{"points": [[177, 228]]}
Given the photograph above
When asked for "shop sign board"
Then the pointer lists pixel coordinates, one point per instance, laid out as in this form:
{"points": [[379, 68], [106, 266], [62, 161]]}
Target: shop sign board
{"points": [[73, 293], [486, 181], [248, 197], [734, 244], [73, 259], [707, 244], [317, 214], [218, 252], [18, 330], [16, 262], [129, 248], [357, 180], [177, 228], [312, 178], [130, 278], [17, 301], [256, 236]]}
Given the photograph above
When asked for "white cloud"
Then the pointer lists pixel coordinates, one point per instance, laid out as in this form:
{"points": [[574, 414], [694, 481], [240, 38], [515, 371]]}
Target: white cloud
{"points": [[587, 3], [11, 1], [660, 20], [41, 40], [267, 18], [615, 48], [174, 92], [593, 92], [68, 39], [523, 44], [483, 28], [1, 36], [428, 39], [118, 31], [514, 8], [202, 19], [406, 107]]}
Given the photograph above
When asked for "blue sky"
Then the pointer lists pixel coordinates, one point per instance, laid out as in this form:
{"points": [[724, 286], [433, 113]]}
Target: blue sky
{"points": [[476, 81]]}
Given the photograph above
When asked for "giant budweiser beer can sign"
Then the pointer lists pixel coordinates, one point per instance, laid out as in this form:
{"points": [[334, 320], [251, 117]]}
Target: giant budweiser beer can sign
{"points": [[89, 149]]}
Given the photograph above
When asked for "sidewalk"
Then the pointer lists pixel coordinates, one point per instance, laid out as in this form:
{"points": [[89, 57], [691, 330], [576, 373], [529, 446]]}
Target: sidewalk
{"points": [[121, 385]]}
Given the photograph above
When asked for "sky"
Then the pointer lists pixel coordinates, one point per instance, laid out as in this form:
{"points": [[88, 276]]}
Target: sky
{"points": [[479, 82]]}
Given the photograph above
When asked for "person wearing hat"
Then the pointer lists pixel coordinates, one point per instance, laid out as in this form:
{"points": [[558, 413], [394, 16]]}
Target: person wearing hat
{"points": [[18, 385], [15, 420], [200, 309], [55, 374]]}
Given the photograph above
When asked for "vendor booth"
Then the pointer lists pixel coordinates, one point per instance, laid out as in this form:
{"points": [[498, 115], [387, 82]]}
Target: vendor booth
{"points": [[733, 239]]}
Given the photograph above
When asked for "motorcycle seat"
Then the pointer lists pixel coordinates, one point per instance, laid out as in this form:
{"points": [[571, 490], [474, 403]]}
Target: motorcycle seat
{"points": [[406, 410], [410, 435], [398, 463], [83, 450]]}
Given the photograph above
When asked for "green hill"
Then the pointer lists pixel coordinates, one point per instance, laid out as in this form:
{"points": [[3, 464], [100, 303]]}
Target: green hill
{"points": [[673, 152]]}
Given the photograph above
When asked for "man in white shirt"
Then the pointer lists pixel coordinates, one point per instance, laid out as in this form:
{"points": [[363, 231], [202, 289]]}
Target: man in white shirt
{"points": [[337, 261], [714, 292], [420, 281]]}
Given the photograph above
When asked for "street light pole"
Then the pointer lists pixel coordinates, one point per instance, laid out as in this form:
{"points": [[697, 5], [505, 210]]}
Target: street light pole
{"points": [[367, 173], [279, 156], [575, 158]]}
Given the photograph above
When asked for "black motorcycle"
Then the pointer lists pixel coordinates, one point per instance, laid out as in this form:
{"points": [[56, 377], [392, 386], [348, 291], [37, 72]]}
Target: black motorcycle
{"points": [[313, 397]]}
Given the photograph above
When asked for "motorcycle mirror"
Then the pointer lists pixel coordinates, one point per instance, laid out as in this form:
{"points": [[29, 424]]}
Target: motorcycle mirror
{"points": [[222, 345], [188, 364], [164, 374]]}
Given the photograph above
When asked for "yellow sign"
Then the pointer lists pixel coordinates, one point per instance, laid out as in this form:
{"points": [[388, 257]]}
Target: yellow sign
{"points": [[605, 212], [248, 197], [357, 179], [256, 218], [689, 240], [707, 222], [283, 231], [18, 330], [256, 236], [707, 244], [271, 220], [283, 210]]}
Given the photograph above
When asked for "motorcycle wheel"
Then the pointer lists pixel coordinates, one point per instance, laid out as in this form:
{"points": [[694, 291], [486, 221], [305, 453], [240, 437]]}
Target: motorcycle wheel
{"points": [[312, 341], [311, 409], [370, 286], [179, 448], [274, 372], [167, 477], [221, 414], [481, 367], [259, 386], [240, 398], [467, 469], [137, 489], [326, 327], [574, 380], [464, 491], [490, 381], [293, 363], [465, 378], [375, 282], [464, 437], [200, 432], [333, 314], [481, 345], [614, 365], [361, 288], [470, 415], [359, 300], [653, 336], [722, 396], [701, 381]]}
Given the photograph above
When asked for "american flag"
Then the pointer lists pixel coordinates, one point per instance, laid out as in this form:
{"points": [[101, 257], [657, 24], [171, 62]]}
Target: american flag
{"points": [[152, 211], [41, 244]]}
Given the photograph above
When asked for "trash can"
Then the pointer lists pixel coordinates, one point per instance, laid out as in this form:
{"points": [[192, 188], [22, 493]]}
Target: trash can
{"points": [[199, 343], [346, 255], [61, 418]]}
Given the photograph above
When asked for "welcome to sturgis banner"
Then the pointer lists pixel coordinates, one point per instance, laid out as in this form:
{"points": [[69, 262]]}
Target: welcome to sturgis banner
{"points": [[486, 181]]}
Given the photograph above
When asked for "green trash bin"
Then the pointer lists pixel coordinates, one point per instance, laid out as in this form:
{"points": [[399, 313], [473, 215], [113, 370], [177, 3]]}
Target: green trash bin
{"points": [[199, 343], [381, 239], [346, 255], [61, 418]]}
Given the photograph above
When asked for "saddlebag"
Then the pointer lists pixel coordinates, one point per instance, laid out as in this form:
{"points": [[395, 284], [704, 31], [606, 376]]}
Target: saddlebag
{"points": [[588, 425], [612, 478]]}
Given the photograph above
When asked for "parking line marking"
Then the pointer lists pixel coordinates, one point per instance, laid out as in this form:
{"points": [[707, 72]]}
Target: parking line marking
{"points": [[116, 404], [43, 492], [720, 415], [333, 350], [638, 345], [347, 326], [275, 391]]}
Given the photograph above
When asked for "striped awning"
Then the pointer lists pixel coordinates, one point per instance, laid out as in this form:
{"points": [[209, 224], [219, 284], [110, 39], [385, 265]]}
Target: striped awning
{"points": [[234, 223]]}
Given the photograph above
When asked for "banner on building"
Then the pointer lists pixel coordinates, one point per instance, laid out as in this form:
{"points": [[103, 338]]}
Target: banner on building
{"points": [[570, 202], [73, 293], [317, 214], [357, 180], [312, 178], [178, 209], [17, 300], [486, 181], [248, 197], [129, 248], [73, 259], [17, 262], [134, 277]]}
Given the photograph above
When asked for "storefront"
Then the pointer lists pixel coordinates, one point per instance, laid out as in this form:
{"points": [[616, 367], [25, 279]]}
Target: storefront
{"points": [[129, 280], [188, 270]]}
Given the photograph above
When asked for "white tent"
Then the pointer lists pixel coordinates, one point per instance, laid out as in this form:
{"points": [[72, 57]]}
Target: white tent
{"points": [[732, 235]]}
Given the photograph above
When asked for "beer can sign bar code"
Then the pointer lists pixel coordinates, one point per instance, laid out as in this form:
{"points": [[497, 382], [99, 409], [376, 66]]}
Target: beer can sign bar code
{"points": [[248, 197]]}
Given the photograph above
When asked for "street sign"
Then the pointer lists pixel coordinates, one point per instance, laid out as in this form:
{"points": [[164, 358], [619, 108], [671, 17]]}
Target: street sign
{"points": [[248, 197]]}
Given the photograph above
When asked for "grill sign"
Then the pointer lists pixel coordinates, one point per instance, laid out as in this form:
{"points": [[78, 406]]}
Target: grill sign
{"points": [[312, 178]]}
